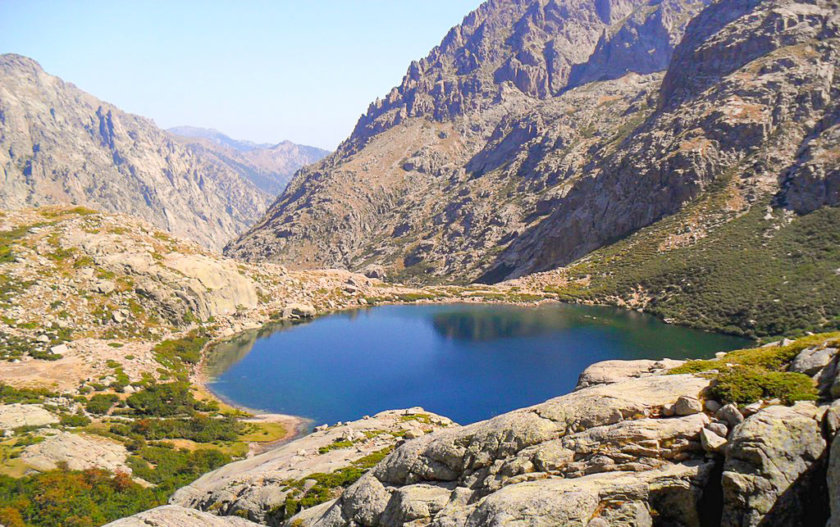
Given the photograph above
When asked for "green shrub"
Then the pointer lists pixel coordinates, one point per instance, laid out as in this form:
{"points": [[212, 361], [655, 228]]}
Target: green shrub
{"points": [[163, 400], [198, 428], [100, 403], [748, 384], [75, 420]]}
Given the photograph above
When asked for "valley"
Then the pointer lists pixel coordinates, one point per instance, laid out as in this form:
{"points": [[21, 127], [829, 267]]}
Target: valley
{"points": [[581, 266]]}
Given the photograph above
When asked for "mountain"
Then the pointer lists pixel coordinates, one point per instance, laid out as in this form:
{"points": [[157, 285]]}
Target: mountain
{"points": [[675, 140], [60, 145], [478, 141], [269, 167]]}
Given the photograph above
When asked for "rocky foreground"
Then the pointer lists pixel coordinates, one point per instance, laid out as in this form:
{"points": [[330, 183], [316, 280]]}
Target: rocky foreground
{"points": [[637, 444]]}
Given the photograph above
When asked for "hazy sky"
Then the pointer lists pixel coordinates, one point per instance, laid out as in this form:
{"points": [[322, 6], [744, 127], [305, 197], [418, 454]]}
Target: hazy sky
{"points": [[301, 70]]}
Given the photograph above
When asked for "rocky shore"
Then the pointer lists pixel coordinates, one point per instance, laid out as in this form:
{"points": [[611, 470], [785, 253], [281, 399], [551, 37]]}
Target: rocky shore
{"points": [[636, 444]]}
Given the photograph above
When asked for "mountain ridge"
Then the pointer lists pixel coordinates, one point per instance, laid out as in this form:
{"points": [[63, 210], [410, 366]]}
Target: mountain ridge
{"points": [[61, 145], [269, 166]]}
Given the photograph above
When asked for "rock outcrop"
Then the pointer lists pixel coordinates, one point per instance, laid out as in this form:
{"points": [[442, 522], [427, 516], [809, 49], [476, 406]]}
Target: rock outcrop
{"points": [[174, 516], [77, 452], [259, 487], [774, 468], [60, 145], [19, 415]]}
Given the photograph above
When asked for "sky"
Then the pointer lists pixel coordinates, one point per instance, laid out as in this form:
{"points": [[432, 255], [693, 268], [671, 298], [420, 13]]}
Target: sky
{"points": [[265, 71]]}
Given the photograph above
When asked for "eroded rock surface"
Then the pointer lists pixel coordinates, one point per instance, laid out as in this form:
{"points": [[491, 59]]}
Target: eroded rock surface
{"points": [[174, 516], [257, 486]]}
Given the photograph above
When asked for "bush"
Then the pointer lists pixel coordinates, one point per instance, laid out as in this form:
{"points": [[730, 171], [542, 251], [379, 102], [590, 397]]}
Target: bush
{"points": [[748, 384], [745, 376], [199, 428], [72, 498], [164, 400], [75, 420], [100, 403]]}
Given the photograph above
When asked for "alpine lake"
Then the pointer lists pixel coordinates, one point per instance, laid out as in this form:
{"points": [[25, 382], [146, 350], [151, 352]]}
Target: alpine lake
{"points": [[468, 362]]}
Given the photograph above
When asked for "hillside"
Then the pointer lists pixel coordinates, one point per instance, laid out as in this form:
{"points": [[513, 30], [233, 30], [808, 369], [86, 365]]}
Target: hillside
{"points": [[269, 167], [478, 141], [60, 145], [485, 165]]}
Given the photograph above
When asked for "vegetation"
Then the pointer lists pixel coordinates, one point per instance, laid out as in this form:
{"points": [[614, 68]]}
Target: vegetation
{"points": [[747, 276], [171, 469], [100, 403], [174, 354], [11, 395], [745, 376], [199, 428], [164, 400], [72, 498]]}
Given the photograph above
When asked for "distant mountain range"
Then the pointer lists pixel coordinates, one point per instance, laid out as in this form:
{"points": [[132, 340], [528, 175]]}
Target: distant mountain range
{"points": [[60, 145], [269, 167]]}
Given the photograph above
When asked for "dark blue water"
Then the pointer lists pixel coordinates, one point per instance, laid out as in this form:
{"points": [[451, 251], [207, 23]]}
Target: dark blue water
{"points": [[467, 362]]}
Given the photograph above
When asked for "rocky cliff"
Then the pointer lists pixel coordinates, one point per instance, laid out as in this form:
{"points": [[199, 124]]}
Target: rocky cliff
{"points": [[268, 166], [539, 131], [61, 145]]}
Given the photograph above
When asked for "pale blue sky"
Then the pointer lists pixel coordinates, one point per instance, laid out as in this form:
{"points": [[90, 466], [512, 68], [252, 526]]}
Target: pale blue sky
{"points": [[301, 70]]}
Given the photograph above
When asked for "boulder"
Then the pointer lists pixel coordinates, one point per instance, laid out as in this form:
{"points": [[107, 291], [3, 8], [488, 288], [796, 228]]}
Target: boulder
{"points": [[175, 516], [78, 452], [730, 415], [771, 465], [16, 415], [811, 360], [688, 406], [711, 441], [298, 311], [611, 371]]}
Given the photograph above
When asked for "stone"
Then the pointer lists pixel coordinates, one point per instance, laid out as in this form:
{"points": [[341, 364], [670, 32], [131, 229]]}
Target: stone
{"points": [[105, 287], [730, 415], [118, 317], [607, 372], [298, 311], [688, 406], [712, 406], [60, 349], [811, 360], [175, 516], [770, 466], [719, 428], [711, 441], [17, 415], [78, 452]]}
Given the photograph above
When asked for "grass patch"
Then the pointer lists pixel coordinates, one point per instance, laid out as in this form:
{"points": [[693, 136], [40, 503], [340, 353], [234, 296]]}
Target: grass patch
{"points": [[746, 376], [335, 445]]}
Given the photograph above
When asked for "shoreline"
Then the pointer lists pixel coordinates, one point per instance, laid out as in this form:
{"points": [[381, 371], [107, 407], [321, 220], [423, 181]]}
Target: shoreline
{"points": [[296, 426]]}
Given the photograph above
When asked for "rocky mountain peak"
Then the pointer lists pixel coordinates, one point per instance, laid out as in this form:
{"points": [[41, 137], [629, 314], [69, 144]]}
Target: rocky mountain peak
{"points": [[531, 48]]}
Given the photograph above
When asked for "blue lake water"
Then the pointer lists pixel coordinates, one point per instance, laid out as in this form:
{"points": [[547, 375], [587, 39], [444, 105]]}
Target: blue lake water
{"points": [[465, 361]]}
